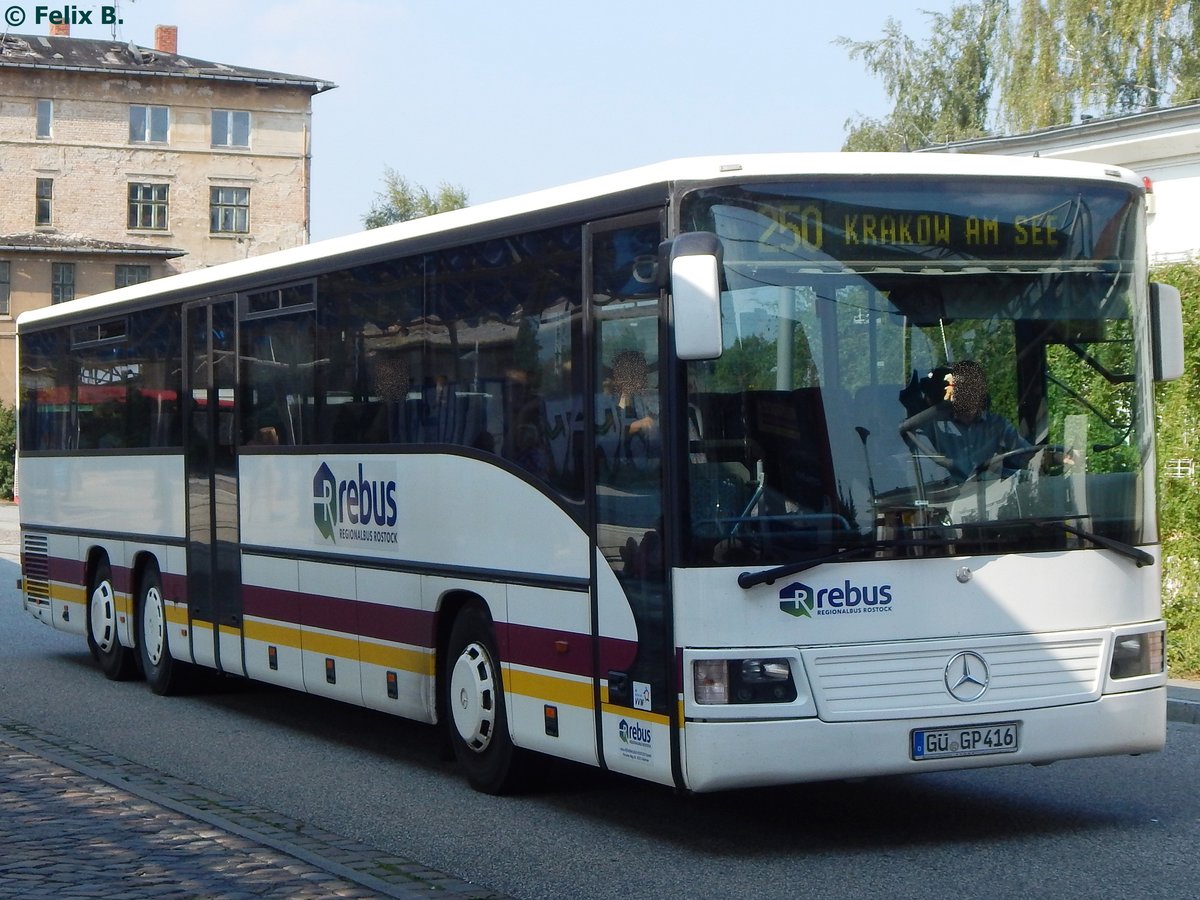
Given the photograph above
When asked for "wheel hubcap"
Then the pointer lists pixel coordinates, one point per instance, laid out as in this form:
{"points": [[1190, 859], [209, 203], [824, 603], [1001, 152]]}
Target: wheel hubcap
{"points": [[104, 616], [473, 697], [153, 627]]}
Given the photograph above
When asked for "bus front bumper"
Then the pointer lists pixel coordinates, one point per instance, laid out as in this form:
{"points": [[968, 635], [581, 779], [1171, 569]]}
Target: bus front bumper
{"points": [[739, 754]]}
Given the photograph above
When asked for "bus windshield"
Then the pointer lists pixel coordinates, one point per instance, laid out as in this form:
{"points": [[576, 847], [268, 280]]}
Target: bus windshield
{"points": [[919, 368]]}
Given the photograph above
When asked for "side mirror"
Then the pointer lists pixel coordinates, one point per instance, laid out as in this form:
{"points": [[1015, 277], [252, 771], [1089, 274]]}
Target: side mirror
{"points": [[1166, 331], [695, 285]]}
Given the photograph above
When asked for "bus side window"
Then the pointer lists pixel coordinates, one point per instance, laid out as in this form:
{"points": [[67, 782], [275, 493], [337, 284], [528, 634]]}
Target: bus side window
{"points": [[278, 379]]}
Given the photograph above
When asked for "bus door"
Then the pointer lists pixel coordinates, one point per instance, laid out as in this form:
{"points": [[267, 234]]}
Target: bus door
{"points": [[627, 448], [213, 561]]}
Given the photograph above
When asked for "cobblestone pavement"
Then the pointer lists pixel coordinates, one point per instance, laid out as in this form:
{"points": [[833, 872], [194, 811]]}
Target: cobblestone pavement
{"points": [[76, 823]]}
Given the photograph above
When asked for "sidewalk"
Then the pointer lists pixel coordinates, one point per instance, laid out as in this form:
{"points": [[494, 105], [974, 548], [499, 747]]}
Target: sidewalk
{"points": [[1183, 701], [77, 823]]}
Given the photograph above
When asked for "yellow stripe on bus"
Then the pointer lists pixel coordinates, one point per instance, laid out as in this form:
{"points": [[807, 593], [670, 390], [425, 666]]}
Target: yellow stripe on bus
{"points": [[419, 661], [272, 633], [349, 648], [68, 593], [337, 646], [331, 645], [548, 687]]}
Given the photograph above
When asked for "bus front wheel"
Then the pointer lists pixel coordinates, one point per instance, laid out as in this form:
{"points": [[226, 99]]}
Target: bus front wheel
{"points": [[164, 673], [475, 705], [117, 662]]}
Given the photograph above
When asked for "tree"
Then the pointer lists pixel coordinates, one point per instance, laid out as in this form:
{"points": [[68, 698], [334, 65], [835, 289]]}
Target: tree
{"points": [[993, 65], [8, 450], [1072, 57], [400, 201], [1187, 52], [940, 90]]}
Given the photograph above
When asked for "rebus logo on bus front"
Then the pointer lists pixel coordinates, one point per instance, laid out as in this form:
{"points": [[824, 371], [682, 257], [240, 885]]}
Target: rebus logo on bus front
{"points": [[800, 600], [355, 509]]}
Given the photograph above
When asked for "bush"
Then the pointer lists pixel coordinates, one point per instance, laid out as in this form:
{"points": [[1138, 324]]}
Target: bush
{"points": [[8, 450], [1178, 404]]}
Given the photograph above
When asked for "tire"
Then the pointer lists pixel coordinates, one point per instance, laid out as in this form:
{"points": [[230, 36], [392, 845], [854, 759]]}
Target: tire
{"points": [[117, 662], [163, 672], [476, 717]]}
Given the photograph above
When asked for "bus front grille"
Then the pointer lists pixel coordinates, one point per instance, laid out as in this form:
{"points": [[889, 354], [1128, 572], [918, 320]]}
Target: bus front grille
{"points": [[863, 682]]}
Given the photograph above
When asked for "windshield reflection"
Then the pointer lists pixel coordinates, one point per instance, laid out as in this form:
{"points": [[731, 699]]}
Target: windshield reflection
{"points": [[915, 409]]}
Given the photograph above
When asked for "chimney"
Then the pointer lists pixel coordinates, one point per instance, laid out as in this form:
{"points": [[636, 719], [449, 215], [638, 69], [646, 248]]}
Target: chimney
{"points": [[60, 29], [166, 38]]}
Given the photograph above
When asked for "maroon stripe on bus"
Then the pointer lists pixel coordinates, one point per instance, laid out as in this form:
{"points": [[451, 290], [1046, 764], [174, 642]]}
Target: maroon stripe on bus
{"points": [[271, 603], [66, 571], [371, 620], [74, 572], [544, 648], [616, 654], [396, 623], [174, 587]]}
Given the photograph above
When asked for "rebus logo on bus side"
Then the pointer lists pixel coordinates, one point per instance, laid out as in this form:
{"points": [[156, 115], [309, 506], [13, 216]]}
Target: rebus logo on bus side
{"points": [[634, 733], [355, 508], [800, 600]]}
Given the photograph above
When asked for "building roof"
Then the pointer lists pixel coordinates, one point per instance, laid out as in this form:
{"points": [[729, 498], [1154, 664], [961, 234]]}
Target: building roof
{"points": [[70, 54], [49, 242], [1127, 139]]}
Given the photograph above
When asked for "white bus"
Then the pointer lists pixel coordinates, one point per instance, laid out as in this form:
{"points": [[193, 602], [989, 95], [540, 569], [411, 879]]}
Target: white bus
{"points": [[660, 472]]}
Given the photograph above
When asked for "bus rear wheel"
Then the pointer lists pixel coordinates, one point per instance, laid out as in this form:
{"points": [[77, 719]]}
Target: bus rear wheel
{"points": [[474, 700], [164, 673], [117, 662]]}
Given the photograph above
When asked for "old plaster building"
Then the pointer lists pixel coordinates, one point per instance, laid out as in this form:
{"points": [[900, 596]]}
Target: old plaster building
{"points": [[119, 164]]}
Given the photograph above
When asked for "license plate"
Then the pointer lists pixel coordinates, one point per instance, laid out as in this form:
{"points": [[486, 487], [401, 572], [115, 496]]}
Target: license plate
{"points": [[969, 740]]}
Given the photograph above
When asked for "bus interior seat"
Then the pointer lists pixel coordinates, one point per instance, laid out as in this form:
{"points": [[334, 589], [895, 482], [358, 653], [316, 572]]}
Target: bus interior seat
{"points": [[790, 429]]}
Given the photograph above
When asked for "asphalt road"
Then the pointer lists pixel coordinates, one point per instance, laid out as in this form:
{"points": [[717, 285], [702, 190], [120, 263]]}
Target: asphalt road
{"points": [[1120, 828]]}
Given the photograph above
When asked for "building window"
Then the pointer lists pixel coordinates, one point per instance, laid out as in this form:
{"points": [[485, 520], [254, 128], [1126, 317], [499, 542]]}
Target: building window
{"points": [[44, 214], [62, 282], [5, 285], [230, 128], [148, 124], [229, 209], [1180, 468], [127, 275], [148, 205], [45, 118]]}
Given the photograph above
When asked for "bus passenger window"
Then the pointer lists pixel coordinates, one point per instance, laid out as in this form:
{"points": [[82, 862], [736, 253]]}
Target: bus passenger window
{"points": [[278, 357]]}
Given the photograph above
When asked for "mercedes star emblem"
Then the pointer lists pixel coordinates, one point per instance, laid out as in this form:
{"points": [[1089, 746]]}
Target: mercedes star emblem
{"points": [[967, 676]]}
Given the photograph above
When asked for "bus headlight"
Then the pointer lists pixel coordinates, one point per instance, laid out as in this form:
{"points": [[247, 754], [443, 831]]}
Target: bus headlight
{"points": [[755, 680], [1137, 654]]}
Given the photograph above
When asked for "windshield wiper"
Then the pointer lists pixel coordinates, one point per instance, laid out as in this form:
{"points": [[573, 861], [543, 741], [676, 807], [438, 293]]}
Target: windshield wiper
{"points": [[748, 580], [1138, 555]]}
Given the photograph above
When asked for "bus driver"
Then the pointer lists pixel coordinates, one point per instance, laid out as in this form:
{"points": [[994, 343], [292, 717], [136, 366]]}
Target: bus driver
{"points": [[965, 434]]}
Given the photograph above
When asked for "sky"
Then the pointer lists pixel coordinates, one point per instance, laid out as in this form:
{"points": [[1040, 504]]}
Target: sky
{"points": [[510, 97]]}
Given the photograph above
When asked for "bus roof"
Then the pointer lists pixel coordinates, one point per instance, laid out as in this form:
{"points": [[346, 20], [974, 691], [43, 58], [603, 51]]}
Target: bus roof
{"points": [[355, 248]]}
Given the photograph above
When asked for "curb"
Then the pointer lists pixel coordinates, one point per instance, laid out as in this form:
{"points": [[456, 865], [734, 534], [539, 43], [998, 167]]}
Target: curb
{"points": [[1183, 701]]}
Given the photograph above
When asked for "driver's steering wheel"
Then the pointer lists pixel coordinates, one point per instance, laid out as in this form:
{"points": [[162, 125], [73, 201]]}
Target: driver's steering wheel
{"points": [[996, 462]]}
